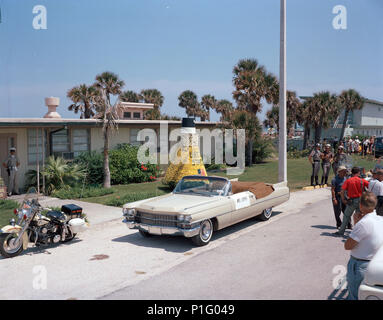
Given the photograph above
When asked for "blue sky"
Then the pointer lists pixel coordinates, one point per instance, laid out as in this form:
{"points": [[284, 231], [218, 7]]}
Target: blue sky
{"points": [[175, 45]]}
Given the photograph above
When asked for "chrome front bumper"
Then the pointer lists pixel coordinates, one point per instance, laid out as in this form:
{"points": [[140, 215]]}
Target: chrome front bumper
{"points": [[158, 230]]}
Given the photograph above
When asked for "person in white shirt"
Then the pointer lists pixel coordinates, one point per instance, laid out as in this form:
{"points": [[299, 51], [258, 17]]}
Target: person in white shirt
{"points": [[364, 241], [376, 186]]}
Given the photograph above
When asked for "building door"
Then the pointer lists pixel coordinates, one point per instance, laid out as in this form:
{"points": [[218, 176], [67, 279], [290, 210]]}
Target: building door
{"points": [[7, 141]]}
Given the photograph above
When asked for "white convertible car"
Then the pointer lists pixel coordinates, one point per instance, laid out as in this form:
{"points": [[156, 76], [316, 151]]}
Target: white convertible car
{"points": [[372, 285], [200, 205]]}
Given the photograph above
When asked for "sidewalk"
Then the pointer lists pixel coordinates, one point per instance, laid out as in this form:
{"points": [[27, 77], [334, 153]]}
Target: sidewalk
{"points": [[96, 213]]}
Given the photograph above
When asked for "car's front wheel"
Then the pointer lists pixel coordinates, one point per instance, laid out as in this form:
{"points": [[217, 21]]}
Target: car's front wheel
{"points": [[145, 234], [205, 233]]}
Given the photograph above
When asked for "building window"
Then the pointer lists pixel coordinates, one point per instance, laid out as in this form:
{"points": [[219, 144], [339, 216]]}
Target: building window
{"points": [[60, 143], [35, 146], [136, 115], [127, 115], [133, 137], [80, 141]]}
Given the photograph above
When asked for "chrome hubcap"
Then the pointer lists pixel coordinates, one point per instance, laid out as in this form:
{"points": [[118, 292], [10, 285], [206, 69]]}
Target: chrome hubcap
{"points": [[268, 212], [11, 245], [206, 230]]}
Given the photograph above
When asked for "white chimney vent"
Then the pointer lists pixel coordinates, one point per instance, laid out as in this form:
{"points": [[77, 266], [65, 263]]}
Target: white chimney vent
{"points": [[52, 103]]}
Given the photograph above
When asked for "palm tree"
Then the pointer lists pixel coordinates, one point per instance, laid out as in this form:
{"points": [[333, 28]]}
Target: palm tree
{"points": [[110, 82], [207, 102], [155, 97], [82, 97], [293, 112], [242, 119], [188, 100], [272, 118], [225, 108], [324, 108], [349, 100], [252, 83], [129, 96], [109, 116]]}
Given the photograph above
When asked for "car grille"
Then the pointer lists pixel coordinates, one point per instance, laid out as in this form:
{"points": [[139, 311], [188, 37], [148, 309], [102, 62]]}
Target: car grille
{"points": [[161, 220]]}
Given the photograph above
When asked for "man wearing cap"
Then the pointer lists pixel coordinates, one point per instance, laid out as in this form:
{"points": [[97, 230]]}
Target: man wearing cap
{"points": [[376, 186], [327, 158], [336, 187], [354, 187], [339, 159], [314, 158], [11, 164]]}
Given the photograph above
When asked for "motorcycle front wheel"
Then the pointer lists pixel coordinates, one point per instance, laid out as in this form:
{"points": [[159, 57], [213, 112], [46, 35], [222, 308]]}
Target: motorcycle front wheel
{"points": [[69, 236], [9, 247]]}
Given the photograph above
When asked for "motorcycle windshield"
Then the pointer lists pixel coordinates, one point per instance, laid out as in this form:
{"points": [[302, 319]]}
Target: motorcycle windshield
{"points": [[25, 209]]}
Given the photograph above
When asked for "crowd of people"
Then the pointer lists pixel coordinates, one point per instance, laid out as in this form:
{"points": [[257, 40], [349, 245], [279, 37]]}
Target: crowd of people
{"points": [[357, 202]]}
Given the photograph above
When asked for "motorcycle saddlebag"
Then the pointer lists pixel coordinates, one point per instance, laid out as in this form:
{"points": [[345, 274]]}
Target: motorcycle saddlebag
{"points": [[72, 211]]}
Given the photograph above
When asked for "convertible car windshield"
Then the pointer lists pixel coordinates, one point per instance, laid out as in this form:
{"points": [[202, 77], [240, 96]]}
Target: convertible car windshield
{"points": [[206, 186]]}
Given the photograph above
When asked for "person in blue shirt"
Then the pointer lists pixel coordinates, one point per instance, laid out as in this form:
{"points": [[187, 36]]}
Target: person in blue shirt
{"points": [[336, 187]]}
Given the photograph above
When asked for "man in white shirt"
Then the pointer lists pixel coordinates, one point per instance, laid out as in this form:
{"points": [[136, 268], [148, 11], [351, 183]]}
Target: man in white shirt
{"points": [[364, 241]]}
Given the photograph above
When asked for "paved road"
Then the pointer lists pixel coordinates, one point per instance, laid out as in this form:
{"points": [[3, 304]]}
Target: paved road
{"points": [[292, 256]]}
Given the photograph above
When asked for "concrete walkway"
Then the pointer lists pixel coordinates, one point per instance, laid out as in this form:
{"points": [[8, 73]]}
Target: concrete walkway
{"points": [[96, 213]]}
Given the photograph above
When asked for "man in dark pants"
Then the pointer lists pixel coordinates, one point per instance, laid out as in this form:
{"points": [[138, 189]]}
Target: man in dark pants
{"points": [[327, 158], [314, 158], [354, 187], [336, 187]]}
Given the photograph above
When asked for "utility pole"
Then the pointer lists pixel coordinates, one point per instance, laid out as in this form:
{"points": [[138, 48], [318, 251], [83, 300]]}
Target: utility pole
{"points": [[282, 163]]}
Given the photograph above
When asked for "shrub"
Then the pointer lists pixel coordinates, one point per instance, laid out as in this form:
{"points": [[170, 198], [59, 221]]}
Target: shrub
{"points": [[93, 164], [125, 168], [294, 153], [123, 164], [262, 149], [214, 166], [58, 174]]}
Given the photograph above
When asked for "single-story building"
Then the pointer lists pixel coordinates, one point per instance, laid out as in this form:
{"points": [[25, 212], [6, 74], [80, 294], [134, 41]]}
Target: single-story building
{"points": [[38, 138]]}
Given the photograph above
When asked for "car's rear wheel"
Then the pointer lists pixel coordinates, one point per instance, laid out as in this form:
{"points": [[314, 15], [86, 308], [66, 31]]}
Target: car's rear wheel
{"points": [[205, 233], [266, 214]]}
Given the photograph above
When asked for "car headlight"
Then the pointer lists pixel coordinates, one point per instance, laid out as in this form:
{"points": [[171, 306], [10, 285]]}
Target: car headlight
{"points": [[184, 217], [128, 212]]}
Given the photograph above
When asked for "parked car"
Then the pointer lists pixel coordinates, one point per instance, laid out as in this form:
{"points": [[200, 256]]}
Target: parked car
{"points": [[372, 285], [200, 205]]}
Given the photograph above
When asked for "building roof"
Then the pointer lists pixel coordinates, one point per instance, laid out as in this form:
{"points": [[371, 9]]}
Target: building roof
{"points": [[51, 122], [374, 102], [365, 100], [137, 105]]}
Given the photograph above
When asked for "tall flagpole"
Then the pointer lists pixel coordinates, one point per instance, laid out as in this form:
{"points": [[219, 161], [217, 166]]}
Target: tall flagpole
{"points": [[282, 166]]}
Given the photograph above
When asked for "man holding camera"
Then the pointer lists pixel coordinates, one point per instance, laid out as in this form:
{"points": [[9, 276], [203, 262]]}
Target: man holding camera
{"points": [[364, 241]]}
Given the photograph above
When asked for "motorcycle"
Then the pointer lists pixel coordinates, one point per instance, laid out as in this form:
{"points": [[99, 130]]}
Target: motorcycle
{"points": [[32, 225]]}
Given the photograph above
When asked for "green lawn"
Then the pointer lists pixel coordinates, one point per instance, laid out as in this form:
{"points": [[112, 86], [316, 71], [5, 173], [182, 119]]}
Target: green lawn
{"points": [[6, 211], [130, 192]]}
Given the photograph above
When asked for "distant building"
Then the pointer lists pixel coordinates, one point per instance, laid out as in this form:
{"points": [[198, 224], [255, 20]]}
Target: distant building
{"points": [[368, 122], [134, 110]]}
